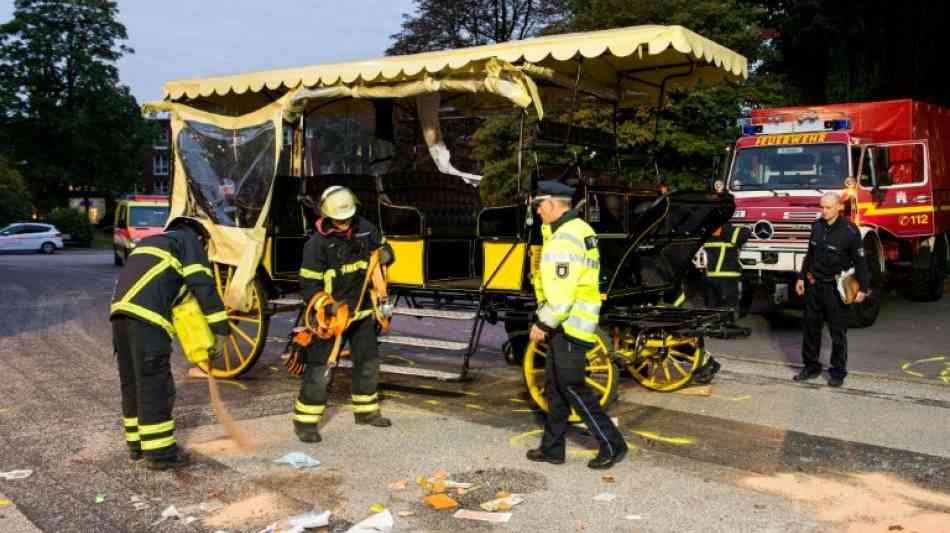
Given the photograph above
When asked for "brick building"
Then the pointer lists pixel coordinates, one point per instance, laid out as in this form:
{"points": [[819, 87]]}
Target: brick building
{"points": [[157, 172]]}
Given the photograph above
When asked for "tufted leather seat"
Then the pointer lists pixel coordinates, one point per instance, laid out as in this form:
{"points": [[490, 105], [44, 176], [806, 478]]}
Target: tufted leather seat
{"points": [[449, 206]]}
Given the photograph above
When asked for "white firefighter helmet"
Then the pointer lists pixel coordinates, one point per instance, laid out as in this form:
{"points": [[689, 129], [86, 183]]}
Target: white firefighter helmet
{"points": [[338, 203]]}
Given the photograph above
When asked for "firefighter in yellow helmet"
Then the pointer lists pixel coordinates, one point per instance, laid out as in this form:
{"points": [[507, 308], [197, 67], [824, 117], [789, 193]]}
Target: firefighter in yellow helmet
{"points": [[568, 294], [335, 260]]}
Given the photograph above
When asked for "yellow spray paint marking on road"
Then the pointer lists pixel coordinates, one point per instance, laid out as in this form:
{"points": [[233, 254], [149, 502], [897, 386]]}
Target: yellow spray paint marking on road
{"points": [[524, 410], [389, 394], [913, 368], [406, 360], [677, 441], [474, 406], [433, 402], [741, 398], [519, 441], [469, 393], [4, 502]]}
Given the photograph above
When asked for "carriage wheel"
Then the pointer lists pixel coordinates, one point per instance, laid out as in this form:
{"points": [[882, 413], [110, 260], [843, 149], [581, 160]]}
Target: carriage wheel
{"points": [[601, 373], [248, 330], [668, 364]]}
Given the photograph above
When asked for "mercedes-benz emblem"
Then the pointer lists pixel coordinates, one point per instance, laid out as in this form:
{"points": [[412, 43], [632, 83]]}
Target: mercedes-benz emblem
{"points": [[763, 230]]}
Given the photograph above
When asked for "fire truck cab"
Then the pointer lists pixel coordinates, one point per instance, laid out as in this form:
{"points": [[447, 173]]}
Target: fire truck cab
{"points": [[887, 160]]}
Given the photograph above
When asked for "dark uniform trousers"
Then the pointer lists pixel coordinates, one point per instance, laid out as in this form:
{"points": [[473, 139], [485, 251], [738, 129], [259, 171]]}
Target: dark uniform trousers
{"points": [[722, 292], [565, 388], [314, 389], [148, 389], [823, 305]]}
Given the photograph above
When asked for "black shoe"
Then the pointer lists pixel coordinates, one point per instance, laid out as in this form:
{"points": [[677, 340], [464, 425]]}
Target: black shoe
{"points": [[807, 373], [135, 456], [708, 371], [372, 419], [538, 456], [835, 381], [308, 435], [604, 460], [178, 460]]}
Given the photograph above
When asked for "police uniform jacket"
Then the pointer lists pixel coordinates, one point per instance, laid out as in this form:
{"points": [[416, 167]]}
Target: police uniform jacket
{"points": [[568, 287], [834, 248], [337, 263], [159, 273]]}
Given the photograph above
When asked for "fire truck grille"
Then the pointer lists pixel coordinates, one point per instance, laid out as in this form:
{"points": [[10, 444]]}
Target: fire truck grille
{"points": [[778, 231]]}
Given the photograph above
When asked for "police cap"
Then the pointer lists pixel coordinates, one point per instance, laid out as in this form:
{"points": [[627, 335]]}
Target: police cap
{"points": [[550, 189]]}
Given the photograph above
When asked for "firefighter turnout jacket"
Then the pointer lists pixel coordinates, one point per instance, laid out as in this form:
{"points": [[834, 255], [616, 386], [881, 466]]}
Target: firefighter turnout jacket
{"points": [[336, 263], [834, 248], [567, 287], [722, 251], [159, 273]]}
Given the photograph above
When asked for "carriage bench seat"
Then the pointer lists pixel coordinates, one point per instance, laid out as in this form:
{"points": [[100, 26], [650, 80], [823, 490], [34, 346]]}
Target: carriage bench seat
{"points": [[448, 206]]}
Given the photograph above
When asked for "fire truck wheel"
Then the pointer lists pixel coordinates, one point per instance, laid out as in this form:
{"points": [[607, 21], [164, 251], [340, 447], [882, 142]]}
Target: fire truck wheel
{"points": [[926, 284], [864, 314]]}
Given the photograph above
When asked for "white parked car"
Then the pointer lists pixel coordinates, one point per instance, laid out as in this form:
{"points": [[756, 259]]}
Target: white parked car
{"points": [[30, 236]]}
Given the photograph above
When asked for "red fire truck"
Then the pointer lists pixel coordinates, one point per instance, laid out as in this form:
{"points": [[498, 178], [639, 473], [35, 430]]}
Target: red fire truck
{"points": [[890, 161]]}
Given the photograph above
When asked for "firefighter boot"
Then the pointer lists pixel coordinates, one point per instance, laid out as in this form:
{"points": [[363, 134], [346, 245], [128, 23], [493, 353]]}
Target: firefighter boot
{"points": [[177, 458], [307, 432], [372, 418]]}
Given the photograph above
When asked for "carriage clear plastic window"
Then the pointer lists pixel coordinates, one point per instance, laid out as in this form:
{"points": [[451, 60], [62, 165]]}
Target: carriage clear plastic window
{"points": [[229, 172]]}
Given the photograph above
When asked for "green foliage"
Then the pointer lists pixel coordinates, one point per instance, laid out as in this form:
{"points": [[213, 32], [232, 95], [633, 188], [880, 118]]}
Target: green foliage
{"points": [[73, 222], [14, 196], [64, 111]]}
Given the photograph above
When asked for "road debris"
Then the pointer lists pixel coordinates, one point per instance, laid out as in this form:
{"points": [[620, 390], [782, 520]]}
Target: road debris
{"points": [[298, 460], [607, 478], [377, 508], [404, 514], [16, 474], [5, 502], [377, 523], [299, 523], [440, 502], [100, 498], [398, 485], [605, 496], [705, 390], [502, 504], [169, 512], [496, 518], [633, 517]]}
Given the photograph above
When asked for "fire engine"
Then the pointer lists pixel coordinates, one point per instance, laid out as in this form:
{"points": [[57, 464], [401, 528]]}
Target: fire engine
{"points": [[888, 161]]}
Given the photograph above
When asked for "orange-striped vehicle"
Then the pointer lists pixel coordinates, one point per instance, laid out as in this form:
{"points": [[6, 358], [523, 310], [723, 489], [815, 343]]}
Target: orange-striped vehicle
{"points": [[891, 163]]}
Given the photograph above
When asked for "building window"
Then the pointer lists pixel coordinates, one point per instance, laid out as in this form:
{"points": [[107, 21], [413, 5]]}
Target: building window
{"points": [[162, 138], [160, 164]]}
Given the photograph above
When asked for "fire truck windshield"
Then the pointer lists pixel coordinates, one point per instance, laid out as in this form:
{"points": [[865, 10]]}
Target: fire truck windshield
{"points": [[807, 166]]}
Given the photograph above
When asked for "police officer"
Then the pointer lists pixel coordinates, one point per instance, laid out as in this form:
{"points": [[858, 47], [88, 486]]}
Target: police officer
{"points": [[159, 272], [568, 295], [834, 246], [335, 260]]}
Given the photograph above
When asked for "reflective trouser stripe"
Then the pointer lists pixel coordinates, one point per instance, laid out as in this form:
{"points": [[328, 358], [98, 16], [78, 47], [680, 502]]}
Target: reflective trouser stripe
{"points": [[157, 436], [132, 436], [157, 444], [307, 414], [365, 403], [131, 426], [726, 274], [161, 427]]}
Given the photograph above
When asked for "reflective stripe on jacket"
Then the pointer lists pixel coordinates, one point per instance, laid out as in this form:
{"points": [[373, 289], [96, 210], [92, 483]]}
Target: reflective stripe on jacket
{"points": [[569, 277], [722, 252], [158, 274]]}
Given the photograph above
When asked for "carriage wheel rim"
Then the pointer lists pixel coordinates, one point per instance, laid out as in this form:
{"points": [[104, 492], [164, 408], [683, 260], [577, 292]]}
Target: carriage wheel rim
{"points": [[246, 330], [600, 374], [673, 370]]}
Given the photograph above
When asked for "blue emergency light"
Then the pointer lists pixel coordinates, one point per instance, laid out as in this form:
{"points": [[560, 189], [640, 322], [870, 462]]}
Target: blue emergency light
{"points": [[751, 130], [837, 124]]}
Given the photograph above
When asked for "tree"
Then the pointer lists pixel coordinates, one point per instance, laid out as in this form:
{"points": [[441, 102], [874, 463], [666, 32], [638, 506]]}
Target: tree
{"points": [[14, 195], [443, 24], [65, 113]]}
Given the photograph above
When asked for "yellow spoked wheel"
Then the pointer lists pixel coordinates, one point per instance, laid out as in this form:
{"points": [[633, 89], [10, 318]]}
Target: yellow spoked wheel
{"points": [[663, 364], [248, 330], [601, 372]]}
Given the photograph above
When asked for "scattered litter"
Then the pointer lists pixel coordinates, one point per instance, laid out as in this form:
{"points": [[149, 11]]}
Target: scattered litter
{"points": [[440, 474], [502, 494], [404, 514], [633, 517], [100, 498], [299, 523], [377, 508], [607, 478], [705, 390], [449, 484], [5, 502], [16, 474], [203, 507], [156, 499], [378, 523], [140, 506], [497, 518], [398, 485], [896, 527], [502, 504], [189, 520], [440, 502], [169, 512], [742, 398], [605, 496], [298, 460]]}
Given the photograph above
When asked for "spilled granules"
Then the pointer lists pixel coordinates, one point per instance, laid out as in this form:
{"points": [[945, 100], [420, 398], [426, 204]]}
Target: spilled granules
{"points": [[860, 503], [257, 510]]}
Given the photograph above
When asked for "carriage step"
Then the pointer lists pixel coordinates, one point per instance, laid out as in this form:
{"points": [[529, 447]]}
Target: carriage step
{"points": [[286, 302], [423, 342], [435, 313], [409, 371]]}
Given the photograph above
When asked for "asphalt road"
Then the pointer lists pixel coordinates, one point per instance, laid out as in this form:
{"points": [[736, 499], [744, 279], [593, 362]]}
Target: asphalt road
{"points": [[757, 454]]}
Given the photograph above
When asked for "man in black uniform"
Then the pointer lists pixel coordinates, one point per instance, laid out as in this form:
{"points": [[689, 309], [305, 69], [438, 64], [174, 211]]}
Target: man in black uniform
{"points": [[335, 260], [159, 273], [834, 246]]}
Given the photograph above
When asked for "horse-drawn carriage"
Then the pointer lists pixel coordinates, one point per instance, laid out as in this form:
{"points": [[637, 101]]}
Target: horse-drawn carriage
{"points": [[253, 153]]}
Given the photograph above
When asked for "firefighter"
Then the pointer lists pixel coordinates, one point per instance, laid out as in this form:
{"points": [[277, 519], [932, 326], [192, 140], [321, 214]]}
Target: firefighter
{"points": [[335, 260], [723, 269], [568, 293], [834, 246], [159, 272]]}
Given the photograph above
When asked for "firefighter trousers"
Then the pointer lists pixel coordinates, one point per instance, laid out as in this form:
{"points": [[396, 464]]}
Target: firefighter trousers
{"points": [[314, 387], [148, 389], [823, 305], [565, 388], [721, 292]]}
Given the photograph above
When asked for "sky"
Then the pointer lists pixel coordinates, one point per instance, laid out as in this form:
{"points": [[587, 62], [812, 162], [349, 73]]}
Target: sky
{"points": [[184, 39]]}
